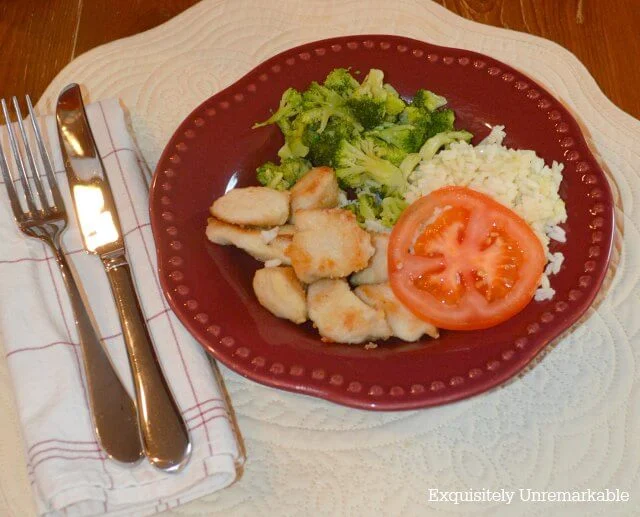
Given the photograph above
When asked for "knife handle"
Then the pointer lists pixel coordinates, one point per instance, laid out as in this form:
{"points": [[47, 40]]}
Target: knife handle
{"points": [[165, 439], [112, 410]]}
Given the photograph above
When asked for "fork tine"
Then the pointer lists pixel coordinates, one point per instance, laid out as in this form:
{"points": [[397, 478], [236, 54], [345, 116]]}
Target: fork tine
{"points": [[58, 204], [42, 197], [18, 159], [11, 191]]}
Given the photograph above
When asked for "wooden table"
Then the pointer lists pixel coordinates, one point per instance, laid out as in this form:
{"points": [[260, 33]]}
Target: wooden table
{"points": [[38, 38]]}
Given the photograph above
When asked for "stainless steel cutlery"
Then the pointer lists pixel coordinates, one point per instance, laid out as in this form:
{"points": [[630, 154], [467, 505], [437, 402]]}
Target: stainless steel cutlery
{"points": [[44, 217], [153, 426]]}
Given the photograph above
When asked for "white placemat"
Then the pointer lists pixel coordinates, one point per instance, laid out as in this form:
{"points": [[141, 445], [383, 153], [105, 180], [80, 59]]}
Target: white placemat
{"points": [[572, 423]]}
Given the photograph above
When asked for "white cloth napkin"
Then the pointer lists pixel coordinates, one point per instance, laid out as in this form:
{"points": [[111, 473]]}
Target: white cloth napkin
{"points": [[68, 472]]}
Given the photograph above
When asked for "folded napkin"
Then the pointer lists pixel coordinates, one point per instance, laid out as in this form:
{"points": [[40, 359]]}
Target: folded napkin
{"points": [[68, 472]]}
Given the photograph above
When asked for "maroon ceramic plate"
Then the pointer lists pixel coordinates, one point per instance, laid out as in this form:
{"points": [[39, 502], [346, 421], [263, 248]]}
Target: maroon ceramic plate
{"points": [[209, 286]]}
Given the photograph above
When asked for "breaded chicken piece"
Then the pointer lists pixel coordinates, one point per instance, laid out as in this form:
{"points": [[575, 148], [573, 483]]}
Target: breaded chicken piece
{"points": [[376, 271], [249, 240], [328, 243], [318, 188], [341, 316], [402, 321], [280, 292], [252, 206]]}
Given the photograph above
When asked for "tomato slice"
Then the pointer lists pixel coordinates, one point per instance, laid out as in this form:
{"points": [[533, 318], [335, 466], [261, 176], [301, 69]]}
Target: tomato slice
{"points": [[462, 261]]}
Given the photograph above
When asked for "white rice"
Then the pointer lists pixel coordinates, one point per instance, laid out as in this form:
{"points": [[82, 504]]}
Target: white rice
{"points": [[519, 179], [545, 291], [555, 263], [343, 200]]}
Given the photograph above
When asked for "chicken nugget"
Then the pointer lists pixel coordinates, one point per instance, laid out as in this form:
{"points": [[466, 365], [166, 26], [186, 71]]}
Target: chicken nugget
{"points": [[341, 316], [376, 272], [328, 243], [404, 324], [250, 240], [252, 206], [318, 188], [280, 292]]}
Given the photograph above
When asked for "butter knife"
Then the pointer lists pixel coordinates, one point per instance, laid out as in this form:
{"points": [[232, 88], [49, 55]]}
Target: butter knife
{"points": [[164, 436]]}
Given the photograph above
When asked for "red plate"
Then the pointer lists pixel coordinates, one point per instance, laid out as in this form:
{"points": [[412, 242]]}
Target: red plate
{"points": [[209, 286]]}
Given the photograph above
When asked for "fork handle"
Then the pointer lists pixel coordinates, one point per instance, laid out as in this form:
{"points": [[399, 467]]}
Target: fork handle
{"points": [[113, 411], [165, 439]]}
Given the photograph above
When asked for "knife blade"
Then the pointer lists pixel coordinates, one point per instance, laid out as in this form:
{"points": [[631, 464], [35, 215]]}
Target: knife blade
{"points": [[164, 436]]}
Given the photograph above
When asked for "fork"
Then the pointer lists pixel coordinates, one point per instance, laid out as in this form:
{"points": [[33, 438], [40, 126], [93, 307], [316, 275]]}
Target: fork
{"points": [[113, 411]]}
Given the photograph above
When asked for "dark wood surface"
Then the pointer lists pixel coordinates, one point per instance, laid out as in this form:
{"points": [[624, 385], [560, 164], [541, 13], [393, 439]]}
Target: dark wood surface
{"points": [[39, 37]]}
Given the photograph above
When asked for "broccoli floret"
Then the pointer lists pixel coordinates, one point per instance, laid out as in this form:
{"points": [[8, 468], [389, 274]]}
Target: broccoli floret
{"points": [[406, 137], [431, 146], [420, 120], [269, 175], [341, 81], [427, 100], [320, 103], [367, 207], [409, 163], [393, 104], [388, 151], [294, 146], [372, 85], [368, 101], [392, 208], [290, 104], [374, 102], [323, 146], [358, 164], [283, 176], [441, 121], [369, 112]]}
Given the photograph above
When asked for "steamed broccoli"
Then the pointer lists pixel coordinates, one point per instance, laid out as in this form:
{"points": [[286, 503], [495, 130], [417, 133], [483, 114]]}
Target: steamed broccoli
{"points": [[341, 81], [283, 176], [419, 119], [387, 151], [366, 132], [368, 111], [366, 207], [406, 137], [373, 85], [441, 121], [358, 164], [321, 108], [290, 107], [393, 104], [290, 104], [424, 99], [409, 163], [392, 208], [293, 146], [324, 145], [431, 146], [319, 103], [372, 101]]}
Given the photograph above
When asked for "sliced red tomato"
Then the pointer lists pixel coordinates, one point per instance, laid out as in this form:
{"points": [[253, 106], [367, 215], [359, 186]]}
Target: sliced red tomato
{"points": [[462, 261]]}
